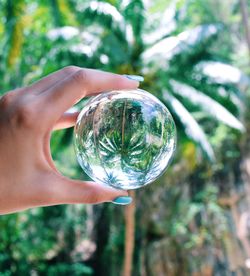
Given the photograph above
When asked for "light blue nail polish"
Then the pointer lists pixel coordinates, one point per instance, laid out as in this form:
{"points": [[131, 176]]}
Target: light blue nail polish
{"points": [[134, 77], [122, 200]]}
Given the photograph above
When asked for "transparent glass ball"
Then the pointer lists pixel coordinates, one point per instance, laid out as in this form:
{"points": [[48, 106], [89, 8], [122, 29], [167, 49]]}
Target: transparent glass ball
{"points": [[124, 138]]}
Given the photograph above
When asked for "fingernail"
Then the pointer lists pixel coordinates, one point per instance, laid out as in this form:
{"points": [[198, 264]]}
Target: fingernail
{"points": [[122, 200], [73, 109], [134, 77]]}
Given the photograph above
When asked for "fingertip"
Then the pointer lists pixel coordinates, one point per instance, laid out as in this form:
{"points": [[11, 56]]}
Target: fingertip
{"points": [[105, 193], [115, 192], [129, 83], [122, 200], [68, 119], [135, 78], [72, 110]]}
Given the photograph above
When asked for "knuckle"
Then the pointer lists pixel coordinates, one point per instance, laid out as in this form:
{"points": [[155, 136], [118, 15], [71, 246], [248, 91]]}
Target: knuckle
{"points": [[120, 82], [80, 76], [94, 198], [6, 100], [70, 69], [92, 195], [24, 115]]}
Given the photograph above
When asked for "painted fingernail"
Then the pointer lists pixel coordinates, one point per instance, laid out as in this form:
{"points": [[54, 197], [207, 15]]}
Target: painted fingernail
{"points": [[122, 200], [73, 109], [134, 77]]}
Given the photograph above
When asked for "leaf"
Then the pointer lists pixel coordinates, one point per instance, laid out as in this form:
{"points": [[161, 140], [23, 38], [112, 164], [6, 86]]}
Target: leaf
{"points": [[166, 23], [107, 17], [66, 33], [104, 13], [191, 127], [211, 106], [223, 73], [134, 14], [170, 46]]}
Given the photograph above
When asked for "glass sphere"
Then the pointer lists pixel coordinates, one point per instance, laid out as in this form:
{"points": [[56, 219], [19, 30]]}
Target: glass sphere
{"points": [[124, 138]]}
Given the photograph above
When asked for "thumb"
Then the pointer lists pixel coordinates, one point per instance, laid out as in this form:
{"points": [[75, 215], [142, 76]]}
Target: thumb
{"points": [[67, 191]]}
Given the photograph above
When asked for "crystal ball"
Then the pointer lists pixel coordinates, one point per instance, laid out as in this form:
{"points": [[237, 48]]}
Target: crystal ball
{"points": [[124, 138]]}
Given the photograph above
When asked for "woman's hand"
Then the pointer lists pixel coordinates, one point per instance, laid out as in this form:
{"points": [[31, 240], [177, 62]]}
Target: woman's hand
{"points": [[28, 176]]}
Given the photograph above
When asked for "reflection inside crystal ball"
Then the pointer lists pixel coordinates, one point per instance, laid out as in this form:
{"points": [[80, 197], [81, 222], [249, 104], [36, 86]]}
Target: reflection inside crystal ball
{"points": [[124, 138]]}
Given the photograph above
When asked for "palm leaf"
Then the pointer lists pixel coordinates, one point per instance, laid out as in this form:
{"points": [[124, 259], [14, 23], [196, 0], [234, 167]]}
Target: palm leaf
{"points": [[103, 13], [223, 73], [208, 104], [165, 25], [191, 127], [168, 47], [108, 17], [134, 14]]}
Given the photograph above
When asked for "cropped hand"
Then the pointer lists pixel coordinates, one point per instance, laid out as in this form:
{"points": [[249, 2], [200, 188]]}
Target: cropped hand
{"points": [[28, 176]]}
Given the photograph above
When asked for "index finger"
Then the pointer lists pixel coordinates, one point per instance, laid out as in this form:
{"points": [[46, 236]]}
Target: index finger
{"points": [[60, 97], [51, 79]]}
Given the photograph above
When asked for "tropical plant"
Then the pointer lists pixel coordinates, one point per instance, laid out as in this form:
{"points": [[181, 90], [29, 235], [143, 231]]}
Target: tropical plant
{"points": [[182, 66], [178, 64], [124, 37]]}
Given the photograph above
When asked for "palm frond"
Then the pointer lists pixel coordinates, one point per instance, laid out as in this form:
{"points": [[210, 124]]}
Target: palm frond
{"points": [[166, 48], [208, 104], [164, 23], [107, 17], [104, 13], [134, 14], [191, 127], [65, 32], [224, 73]]}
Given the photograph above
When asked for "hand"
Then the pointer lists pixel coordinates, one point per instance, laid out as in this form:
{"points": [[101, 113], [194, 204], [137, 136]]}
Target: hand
{"points": [[28, 176]]}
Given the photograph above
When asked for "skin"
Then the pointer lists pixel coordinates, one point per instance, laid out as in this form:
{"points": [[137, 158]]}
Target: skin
{"points": [[28, 176]]}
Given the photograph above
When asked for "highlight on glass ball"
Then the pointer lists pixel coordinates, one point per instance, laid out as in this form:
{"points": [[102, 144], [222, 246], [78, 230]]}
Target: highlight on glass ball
{"points": [[125, 138]]}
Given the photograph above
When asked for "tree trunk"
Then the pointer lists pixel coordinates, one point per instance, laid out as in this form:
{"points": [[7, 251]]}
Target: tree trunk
{"points": [[102, 231], [244, 14], [130, 236]]}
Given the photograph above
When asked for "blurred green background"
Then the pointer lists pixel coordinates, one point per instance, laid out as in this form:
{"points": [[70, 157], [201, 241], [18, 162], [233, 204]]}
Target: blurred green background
{"points": [[195, 57]]}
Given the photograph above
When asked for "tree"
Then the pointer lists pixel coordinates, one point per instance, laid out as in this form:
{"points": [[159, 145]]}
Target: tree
{"points": [[175, 45]]}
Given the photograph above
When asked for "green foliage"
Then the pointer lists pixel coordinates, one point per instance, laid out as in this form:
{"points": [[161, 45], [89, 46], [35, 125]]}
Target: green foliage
{"points": [[173, 44], [66, 269]]}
